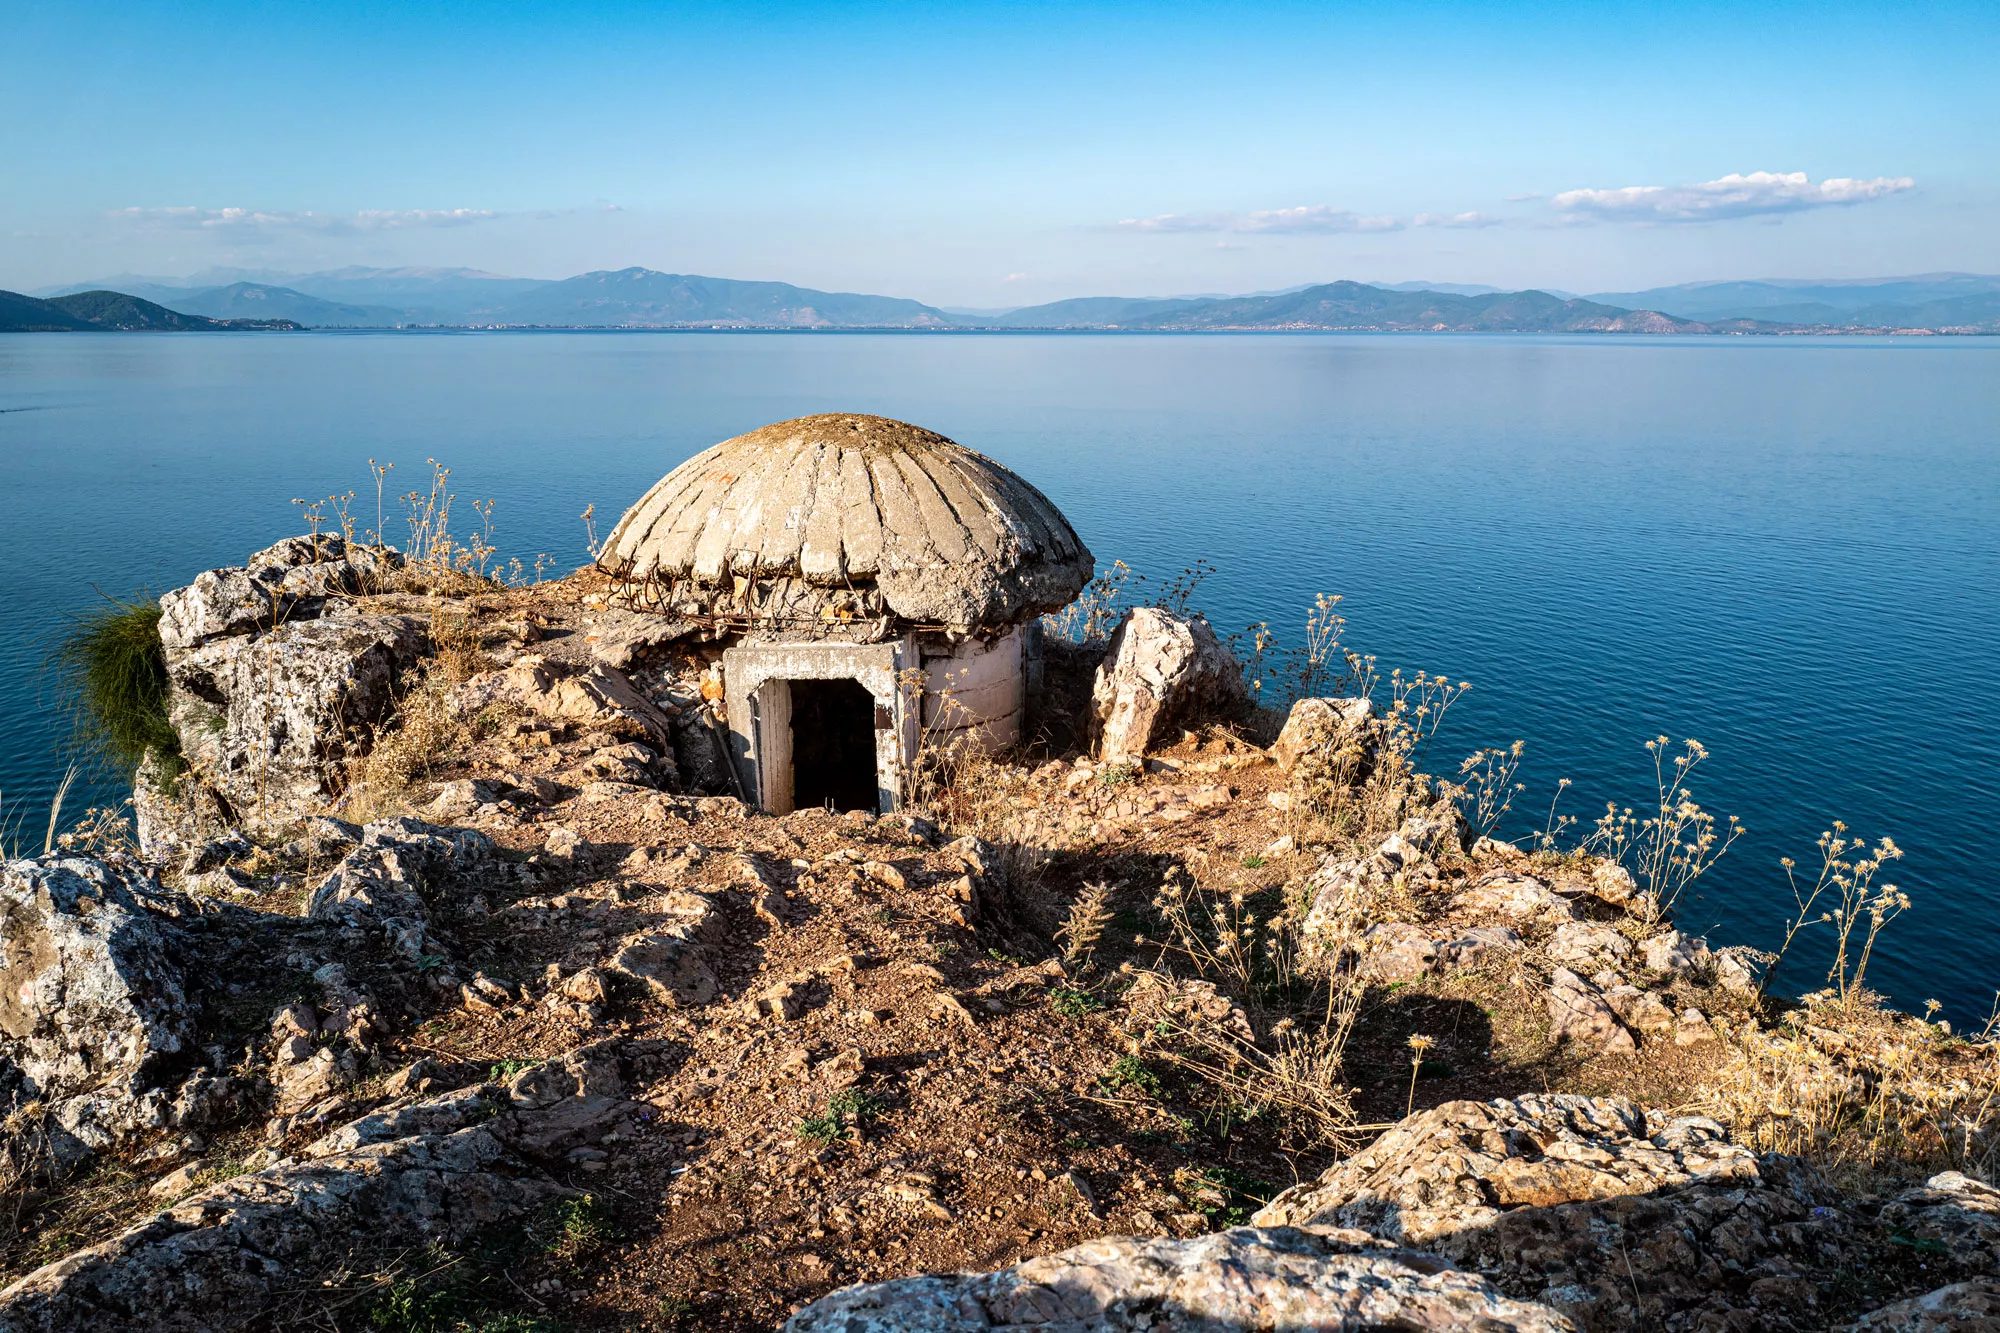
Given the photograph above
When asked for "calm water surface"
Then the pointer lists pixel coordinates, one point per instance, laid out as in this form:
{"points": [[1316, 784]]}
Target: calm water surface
{"points": [[1787, 548]]}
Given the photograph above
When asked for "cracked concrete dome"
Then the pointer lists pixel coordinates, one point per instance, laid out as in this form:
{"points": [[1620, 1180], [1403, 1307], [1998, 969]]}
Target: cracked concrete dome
{"points": [[858, 516]]}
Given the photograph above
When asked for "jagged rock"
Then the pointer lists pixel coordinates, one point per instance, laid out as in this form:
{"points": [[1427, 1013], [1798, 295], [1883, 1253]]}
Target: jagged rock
{"points": [[1963, 1307], [95, 1023], [600, 698], [1673, 952], [1333, 732], [1480, 946], [1506, 893], [1955, 1211], [1590, 1204], [1693, 1028], [1578, 1012], [1338, 890], [1163, 672], [1396, 951], [618, 638], [466, 798], [1613, 883], [1581, 942], [669, 965], [1640, 1010], [370, 1193], [380, 884], [1739, 968], [1239, 1279], [285, 582], [268, 721]]}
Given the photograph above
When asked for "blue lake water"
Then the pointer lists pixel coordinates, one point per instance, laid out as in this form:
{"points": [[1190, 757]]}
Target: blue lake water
{"points": [[1789, 549]]}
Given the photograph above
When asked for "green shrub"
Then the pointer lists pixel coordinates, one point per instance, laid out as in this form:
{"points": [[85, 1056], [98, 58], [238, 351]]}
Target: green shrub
{"points": [[1073, 1003], [114, 677]]}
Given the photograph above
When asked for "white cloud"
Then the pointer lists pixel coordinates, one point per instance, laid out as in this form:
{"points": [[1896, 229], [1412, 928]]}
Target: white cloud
{"points": [[239, 221], [1732, 196], [1314, 219], [1459, 221]]}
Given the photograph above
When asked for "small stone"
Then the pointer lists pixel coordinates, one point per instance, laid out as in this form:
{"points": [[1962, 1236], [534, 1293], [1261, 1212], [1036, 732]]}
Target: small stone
{"points": [[175, 1183], [1693, 1028]]}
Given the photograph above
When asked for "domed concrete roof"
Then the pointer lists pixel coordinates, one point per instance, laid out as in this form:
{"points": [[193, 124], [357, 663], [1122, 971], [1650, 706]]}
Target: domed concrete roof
{"points": [[946, 535]]}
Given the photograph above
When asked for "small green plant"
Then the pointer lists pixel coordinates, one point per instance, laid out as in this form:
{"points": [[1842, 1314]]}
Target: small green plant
{"points": [[1131, 1072], [1073, 1003], [1253, 862], [845, 1111], [503, 1071], [1225, 1196], [1117, 775], [114, 676], [577, 1227], [674, 1310]]}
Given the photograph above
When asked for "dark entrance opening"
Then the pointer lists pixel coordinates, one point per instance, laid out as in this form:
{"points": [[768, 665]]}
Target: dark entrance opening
{"points": [[833, 745]]}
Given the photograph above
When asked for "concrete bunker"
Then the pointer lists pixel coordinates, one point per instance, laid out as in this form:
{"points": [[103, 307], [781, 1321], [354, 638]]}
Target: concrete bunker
{"points": [[862, 588]]}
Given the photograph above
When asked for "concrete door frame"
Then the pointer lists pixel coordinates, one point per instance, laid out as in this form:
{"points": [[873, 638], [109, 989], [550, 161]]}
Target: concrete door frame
{"points": [[760, 717]]}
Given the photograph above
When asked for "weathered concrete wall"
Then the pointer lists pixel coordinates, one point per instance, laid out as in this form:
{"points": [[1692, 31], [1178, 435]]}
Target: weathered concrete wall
{"points": [[976, 689]]}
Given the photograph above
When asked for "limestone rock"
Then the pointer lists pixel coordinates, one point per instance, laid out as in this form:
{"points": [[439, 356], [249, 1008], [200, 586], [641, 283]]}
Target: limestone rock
{"points": [[1335, 731], [1480, 946], [1578, 1012], [669, 965], [94, 1021], [1674, 952], [1239, 1279], [1576, 1201], [1506, 893], [1397, 951], [268, 720], [599, 699], [1963, 1307], [1163, 673], [1587, 944], [1740, 968], [1955, 1211], [1693, 1028], [285, 582], [1640, 1010], [392, 1183], [1613, 883], [380, 885]]}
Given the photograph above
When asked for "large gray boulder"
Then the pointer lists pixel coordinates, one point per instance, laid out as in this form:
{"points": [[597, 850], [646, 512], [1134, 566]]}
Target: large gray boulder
{"points": [[380, 886], [1244, 1278], [268, 721], [1618, 1218], [95, 1025], [1163, 672], [285, 582]]}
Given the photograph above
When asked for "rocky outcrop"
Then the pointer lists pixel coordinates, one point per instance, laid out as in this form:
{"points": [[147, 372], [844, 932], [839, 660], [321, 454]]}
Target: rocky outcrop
{"points": [[1327, 747], [1163, 672], [95, 1024], [1954, 1213], [1580, 1013], [1563, 1198], [379, 885], [1243, 1278], [403, 1178], [597, 698], [275, 682], [1963, 1307], [268, 721]]}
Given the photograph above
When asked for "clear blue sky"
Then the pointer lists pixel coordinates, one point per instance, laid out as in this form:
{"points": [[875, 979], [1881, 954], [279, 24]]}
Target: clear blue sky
{"points": [[986, 154]]}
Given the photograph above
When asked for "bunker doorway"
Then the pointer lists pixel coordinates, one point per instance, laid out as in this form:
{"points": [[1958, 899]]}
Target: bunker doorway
{"points": [[833, 745]]}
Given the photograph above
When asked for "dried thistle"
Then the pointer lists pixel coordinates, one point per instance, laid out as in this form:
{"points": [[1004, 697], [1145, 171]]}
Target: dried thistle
{"points": [[1088, 916]]}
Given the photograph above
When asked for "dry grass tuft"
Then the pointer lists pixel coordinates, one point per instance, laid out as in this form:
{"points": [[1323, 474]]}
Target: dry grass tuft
{"points": [[1867, 1093]]}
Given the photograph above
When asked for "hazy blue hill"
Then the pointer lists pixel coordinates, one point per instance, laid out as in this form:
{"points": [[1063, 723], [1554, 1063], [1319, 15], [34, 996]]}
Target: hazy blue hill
{"points": [[1357, 306], [1928, 300], [1084, 312], [25, 314], [422, 295], [251, 300], [112, 311], [641, 298]]}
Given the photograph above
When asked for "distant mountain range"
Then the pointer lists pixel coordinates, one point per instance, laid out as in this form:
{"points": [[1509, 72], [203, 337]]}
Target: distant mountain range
{"points": [[104, 311], [642, 298]]}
